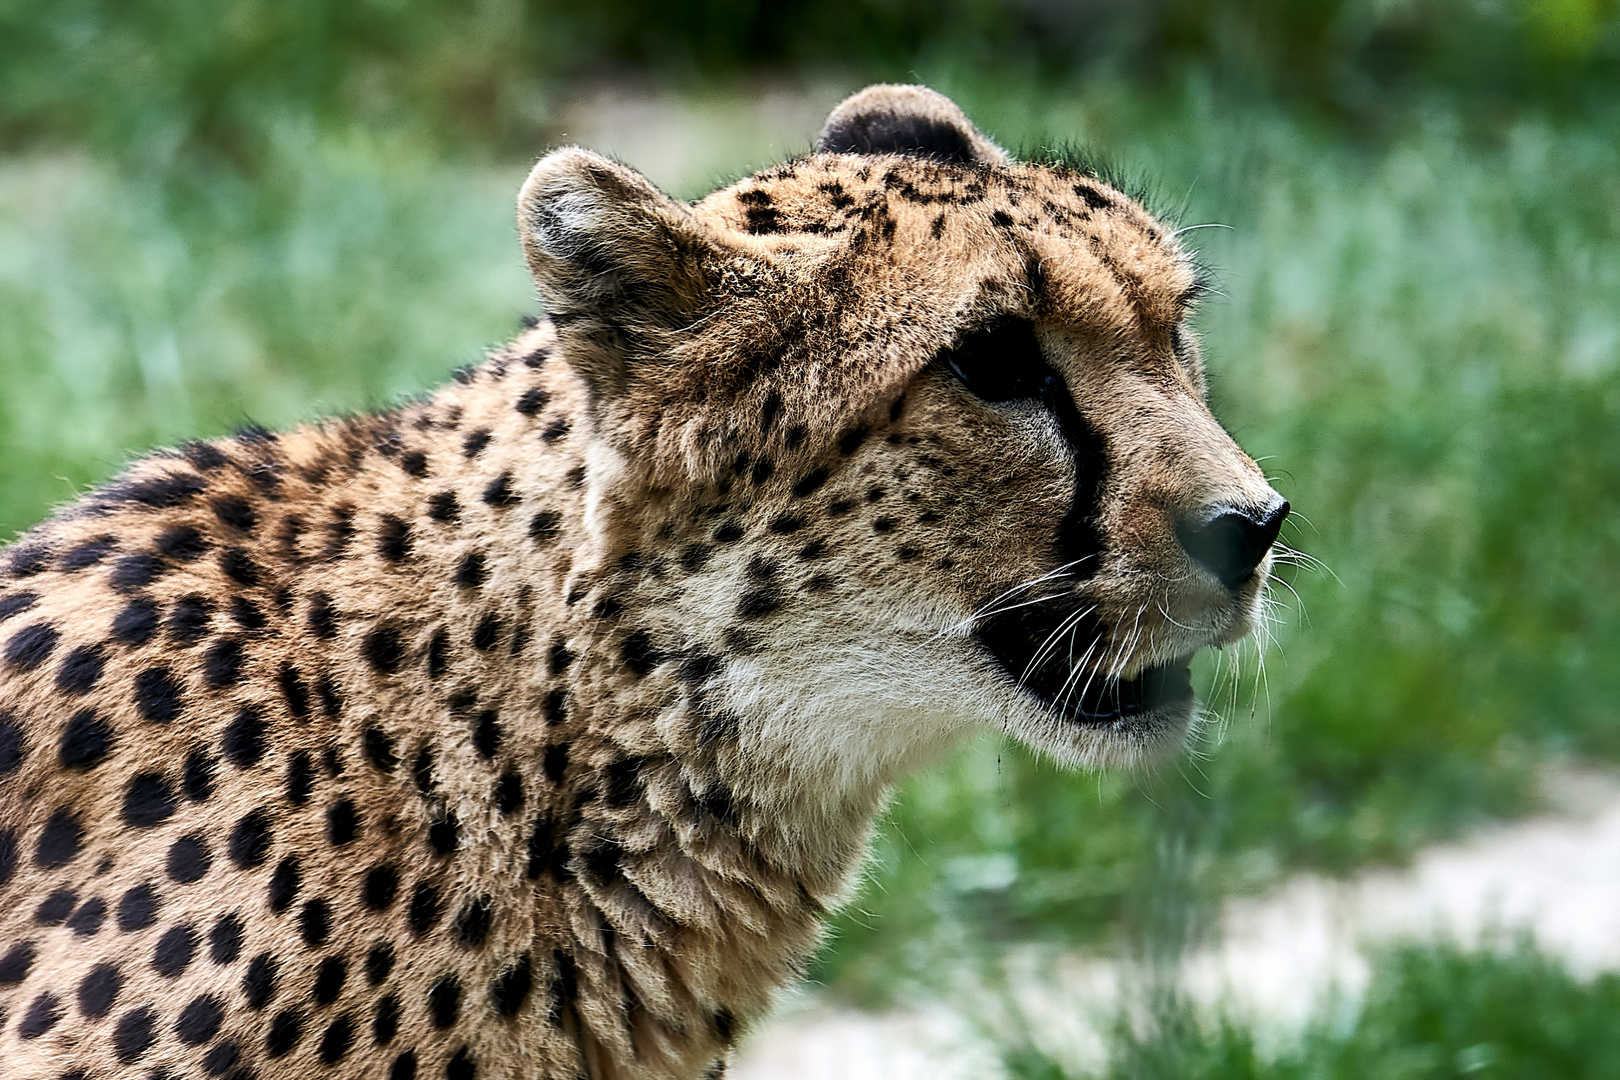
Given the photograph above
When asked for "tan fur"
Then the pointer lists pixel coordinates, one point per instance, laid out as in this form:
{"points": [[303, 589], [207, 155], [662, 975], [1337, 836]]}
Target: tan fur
{"points": [[721, 529]]}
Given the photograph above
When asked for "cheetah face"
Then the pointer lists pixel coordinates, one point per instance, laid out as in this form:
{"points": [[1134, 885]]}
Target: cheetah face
{"points": [[950, 415]]}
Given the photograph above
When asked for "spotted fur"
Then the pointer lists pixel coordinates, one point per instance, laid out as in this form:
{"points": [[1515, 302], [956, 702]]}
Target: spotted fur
{"points": [[531, 729]]}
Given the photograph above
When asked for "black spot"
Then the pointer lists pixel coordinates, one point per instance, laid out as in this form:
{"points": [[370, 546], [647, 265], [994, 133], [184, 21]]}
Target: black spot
{"points": [[472, 925], [444, 1002], [247, 614], [444, 507], [809, 482], [284, 884], [386, 1024], [342, 822], [499, 493], [763, 470], [237, 566], [783, 524], [424, 910], [189, 859], [557, 705], [414, 463], [532, 401], [379, 962], [1001, 219], [198, 781], [249, 844], [509, 793], [225, 940], [88, 554], [640, 655], [380, 749], [16, 603], [133, 1035], [80, 669], [444, 833], [188, 622], [235, 512], [159, 492], [182, 543], [54, 909], [98, 990], [42, 1015], [461, 1066], [244, 741], [199, 1021], [88, 918], [138, 908], [329, 979], [300, 778], [294, 692], [393, 538], [285, 1031], [134, 624], [222, 1056], [884, 524], [315, 922], [380, 887], [337, 1039], [31, 646], [157, 695], [383, 650], [59, 842], [728, 532], [404, 1067], [486, 633], [174, 951], [222, 663], [725, 1025], [422, 770], [86, 741], [544, 525], [487, 733], [471, 573], [757, 603], [555, 762], [474, 443], [13, 744], [15, 963], [323, 616], [259, 983], [26, 560], [150, 801], [575, 477]]}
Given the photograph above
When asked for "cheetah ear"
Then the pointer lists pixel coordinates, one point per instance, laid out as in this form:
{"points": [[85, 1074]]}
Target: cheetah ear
{"points": [[619, 265], [914, 120]]}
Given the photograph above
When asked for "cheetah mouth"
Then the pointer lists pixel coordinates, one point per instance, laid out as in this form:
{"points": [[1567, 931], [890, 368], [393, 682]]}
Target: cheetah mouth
{"points": [[1045, 651]]}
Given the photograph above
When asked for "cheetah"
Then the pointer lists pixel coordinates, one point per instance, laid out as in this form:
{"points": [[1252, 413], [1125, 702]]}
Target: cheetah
{"points": [[533, 728]]}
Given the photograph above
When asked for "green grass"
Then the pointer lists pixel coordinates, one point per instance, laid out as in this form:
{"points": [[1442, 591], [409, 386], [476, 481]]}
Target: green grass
{"points": [[1430, 1013], [1419, 335]]}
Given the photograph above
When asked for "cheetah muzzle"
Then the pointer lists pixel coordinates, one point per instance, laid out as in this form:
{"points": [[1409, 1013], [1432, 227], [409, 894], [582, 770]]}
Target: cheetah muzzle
{"points": [[532, 728]]}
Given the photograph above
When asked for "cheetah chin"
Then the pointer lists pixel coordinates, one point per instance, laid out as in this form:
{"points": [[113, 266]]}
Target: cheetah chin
{"points": [[533, 728]]}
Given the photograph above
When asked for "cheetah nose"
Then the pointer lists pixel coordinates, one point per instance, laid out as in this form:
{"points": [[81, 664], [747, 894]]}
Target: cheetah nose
{"points": [[1232, 542]]}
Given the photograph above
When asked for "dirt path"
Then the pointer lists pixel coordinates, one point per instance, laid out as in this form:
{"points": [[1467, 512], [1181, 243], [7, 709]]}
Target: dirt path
{"points": [[1277, 957]]}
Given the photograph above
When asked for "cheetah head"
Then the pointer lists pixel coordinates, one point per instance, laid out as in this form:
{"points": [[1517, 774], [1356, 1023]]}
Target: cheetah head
{"points": [[919, 435]]}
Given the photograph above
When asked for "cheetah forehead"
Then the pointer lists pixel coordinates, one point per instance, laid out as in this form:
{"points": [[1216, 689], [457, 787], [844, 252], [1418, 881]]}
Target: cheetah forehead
{"points": [[977, 222]]}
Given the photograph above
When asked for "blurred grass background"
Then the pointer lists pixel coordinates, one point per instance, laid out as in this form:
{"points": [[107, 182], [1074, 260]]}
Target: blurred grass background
{"points": [[281, 208]]}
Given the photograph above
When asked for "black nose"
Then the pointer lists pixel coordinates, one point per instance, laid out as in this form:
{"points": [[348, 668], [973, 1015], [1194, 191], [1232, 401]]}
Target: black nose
{"points": [[1232, 543]]}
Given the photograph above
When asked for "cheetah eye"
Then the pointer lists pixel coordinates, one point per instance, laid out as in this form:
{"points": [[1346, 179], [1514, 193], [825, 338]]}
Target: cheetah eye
{"points": [[1001, 362]]}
